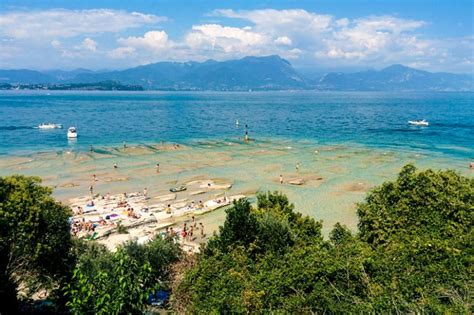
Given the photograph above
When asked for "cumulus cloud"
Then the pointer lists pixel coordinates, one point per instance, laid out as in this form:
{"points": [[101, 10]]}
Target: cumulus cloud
{"points": [[305, 37], [230, 40], [89, 44], [278, 22], [322, 38], [374, 38], [283, 40], [153, 40], [58, 23], [85, 48]]}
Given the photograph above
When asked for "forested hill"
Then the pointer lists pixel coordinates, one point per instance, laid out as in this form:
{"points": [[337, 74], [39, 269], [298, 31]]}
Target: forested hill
{"points": [[249, 73]]}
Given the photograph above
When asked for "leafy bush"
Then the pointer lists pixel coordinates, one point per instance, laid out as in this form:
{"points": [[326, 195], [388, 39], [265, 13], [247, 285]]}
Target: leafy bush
{"points": [[413, 254], [34, 238], [120, 282]]}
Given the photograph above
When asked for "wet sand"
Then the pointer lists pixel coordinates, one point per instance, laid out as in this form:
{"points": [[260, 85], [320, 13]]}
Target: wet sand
{"points": [[331, 178]]}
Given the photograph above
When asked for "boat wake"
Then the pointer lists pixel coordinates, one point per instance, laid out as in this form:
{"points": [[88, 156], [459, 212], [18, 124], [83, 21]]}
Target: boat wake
{"points": [[8, 128]]}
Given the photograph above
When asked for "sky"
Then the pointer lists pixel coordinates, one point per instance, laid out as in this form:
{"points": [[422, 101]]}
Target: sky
{"points": [[315, 36]]}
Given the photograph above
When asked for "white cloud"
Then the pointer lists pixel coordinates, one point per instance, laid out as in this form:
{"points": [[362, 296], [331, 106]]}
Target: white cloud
{"points": [[153, 40], [85, 48], [283, 40], [56, 43], [279, 21], [231, 40], [89, 44], [324, 38], [307, 38], [58, 23], [374, 38]]}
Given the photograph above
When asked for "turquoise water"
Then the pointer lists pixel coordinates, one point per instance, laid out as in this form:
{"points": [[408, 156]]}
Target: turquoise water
{"points": [[109, 118], [345, 143]]}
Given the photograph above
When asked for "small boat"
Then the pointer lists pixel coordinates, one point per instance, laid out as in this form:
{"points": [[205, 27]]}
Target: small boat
{"points": [[418, 122], [72, 132], [50, 126], [178, 188]]}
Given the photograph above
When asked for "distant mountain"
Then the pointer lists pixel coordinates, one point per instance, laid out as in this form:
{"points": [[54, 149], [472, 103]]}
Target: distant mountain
{"points": [[62, 75], [395, 78], [24, 76], [249, 73]]}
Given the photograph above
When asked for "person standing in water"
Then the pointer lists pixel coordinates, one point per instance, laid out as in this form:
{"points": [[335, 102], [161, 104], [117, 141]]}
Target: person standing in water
{"points": [[91, 189], [281, 179], [202, 229], [298, 166], [145, 192], [246, 138], [115, 166], [157, 167]]}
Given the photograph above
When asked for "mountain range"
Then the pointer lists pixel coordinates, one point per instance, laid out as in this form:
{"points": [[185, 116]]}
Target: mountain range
{"points": [[249, 73]]}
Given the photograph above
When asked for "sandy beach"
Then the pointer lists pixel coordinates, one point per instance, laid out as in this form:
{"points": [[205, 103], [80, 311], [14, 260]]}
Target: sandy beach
{"points": [[323, 181]]}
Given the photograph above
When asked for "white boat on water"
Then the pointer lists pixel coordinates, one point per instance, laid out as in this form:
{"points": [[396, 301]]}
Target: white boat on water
{"points": [[72, 132], [418, 122], [50, 126]]}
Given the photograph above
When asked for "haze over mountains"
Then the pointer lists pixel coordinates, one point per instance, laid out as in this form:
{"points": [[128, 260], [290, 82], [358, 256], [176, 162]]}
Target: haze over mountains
{"points": [[249, 73]]}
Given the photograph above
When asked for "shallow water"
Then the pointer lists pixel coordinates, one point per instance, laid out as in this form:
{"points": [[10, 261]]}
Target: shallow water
{"points": [[336, 176], [346, 143]]}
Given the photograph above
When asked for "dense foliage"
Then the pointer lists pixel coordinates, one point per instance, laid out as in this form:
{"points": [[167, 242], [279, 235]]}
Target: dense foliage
{"points": [[413, 254], [34, 239], [119, 283]]}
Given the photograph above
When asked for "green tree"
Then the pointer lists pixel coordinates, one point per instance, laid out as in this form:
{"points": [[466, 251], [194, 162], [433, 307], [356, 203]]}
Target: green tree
{"points": [[240, 228], [34, 238], [439, 204], [160, 254], [413, 254], [120, 282], [119, 289], [421, 229]]}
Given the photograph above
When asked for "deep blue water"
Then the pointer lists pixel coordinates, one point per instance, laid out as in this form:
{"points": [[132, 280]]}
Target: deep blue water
{"points": [[109, 118]]}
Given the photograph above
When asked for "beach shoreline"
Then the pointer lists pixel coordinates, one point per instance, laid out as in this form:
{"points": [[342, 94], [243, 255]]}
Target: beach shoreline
{"points": [[324, 181]]}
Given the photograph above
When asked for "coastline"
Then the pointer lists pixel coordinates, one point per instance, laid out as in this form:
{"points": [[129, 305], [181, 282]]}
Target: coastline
{"points": [[330, 180]]}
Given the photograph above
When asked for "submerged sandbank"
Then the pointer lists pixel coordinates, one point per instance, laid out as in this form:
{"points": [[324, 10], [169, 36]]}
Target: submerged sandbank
{"points": [[327, 180]]}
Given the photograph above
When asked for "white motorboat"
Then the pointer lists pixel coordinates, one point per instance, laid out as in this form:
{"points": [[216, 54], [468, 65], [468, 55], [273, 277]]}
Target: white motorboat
{"points": [[50, 126], [72, 132], [418, 122]]}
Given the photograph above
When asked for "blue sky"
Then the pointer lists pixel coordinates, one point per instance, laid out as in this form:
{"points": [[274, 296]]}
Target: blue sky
{"points": [[315, 36]]}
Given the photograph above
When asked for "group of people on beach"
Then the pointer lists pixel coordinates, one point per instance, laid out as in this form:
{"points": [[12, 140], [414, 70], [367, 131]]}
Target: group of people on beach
{"points": [[87, 226], [187, 233]]}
